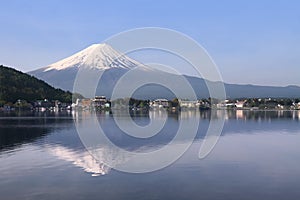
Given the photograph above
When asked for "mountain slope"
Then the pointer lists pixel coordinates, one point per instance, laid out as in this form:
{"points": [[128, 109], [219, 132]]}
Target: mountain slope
{"points": [[104, 58], [95, 57], [16, 85], [100, 56]]}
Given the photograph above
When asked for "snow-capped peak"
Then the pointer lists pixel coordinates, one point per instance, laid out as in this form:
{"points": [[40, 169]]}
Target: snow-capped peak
{"points": [[100, 56]]}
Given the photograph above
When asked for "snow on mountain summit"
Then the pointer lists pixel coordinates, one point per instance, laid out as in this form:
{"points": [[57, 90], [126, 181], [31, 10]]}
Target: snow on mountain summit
{"points": [[100, 56]]}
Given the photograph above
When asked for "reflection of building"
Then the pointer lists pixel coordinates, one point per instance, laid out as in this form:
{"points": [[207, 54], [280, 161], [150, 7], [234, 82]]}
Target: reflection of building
{"points": [[219, 114], [240, 114], [191, 114], [158, 114]]}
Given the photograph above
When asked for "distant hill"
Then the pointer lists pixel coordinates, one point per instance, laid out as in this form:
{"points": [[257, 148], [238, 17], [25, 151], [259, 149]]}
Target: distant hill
{"points": [[16, 85]]}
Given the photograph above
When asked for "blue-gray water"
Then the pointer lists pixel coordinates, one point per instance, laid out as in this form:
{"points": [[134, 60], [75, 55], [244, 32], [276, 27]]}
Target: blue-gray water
{"points": [[257, 157]]}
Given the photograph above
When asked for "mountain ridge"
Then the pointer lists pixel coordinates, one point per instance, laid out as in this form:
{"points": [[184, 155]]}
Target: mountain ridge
{"points": [[114, 64]]}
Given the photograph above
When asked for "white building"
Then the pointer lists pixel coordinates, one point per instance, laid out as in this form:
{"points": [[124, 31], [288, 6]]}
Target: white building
{"points": [[159, 103], [240, 104], [188, 104], [100, 102]]}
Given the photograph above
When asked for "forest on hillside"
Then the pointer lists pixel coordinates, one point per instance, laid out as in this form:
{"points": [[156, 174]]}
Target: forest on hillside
{"points": [[16, 85]]}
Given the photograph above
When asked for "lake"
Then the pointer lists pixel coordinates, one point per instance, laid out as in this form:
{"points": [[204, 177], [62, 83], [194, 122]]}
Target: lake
{"points": [[256, 157]]}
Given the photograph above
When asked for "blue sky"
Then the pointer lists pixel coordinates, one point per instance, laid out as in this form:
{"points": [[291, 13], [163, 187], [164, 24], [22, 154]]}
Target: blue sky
{"points": [[254, 42]]}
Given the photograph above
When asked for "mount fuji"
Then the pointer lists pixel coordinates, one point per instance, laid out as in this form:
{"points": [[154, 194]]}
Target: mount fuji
{"points": [[113, 64], [99, 57]]}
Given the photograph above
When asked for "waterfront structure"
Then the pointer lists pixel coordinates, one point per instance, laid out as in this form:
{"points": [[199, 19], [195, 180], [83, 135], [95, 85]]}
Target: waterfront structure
{"points": [[159, 103], [187, 104]]}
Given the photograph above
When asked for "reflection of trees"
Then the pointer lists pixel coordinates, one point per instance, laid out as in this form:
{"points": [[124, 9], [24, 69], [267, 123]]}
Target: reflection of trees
{"points": [[28, 128], [11, 138]]}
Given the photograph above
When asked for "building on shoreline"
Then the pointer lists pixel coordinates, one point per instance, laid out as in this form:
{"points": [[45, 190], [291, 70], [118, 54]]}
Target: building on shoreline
{"points": [[102, 103], [98, 103], [187, 104], [159, 104]]}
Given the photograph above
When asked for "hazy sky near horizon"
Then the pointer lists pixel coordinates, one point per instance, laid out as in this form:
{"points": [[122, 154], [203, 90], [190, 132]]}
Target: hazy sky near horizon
{"points": [[252, 42]]}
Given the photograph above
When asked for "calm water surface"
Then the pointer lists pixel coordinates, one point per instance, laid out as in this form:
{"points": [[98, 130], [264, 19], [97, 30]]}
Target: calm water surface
{"points": [[257, 157]]}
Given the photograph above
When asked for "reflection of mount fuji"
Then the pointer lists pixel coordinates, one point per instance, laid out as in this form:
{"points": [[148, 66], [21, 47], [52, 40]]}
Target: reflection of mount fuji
{"points": [[85, 160], [58, 135], [102, 57], [96, 163]]}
